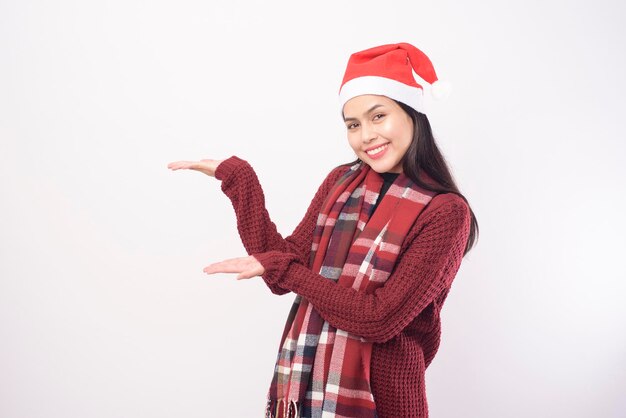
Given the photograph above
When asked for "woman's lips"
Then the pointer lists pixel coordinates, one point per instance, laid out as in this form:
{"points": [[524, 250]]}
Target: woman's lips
{"points": [[378, 152]]}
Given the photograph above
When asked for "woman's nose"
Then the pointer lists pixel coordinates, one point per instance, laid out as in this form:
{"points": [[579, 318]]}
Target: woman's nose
{"points": [[367, 133]]}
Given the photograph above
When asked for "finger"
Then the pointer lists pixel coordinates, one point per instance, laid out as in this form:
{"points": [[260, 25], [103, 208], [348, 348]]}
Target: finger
{"points": [[233, 265], [222, 268], [177, 165], [245, 275]]}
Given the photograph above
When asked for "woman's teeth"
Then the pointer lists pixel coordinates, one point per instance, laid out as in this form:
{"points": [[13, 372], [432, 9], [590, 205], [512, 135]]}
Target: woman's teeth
{"points": [[376, 150]]}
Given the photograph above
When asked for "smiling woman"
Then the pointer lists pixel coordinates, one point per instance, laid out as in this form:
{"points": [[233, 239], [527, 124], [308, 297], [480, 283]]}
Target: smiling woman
{"points": [[373, 259], [379, 131]]}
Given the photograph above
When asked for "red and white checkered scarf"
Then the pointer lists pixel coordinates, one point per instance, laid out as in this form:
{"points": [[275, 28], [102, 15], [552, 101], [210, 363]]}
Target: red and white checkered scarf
{"points": [[322, 371]]}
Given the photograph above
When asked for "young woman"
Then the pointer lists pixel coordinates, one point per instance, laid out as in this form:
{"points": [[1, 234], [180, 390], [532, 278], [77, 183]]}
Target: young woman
{"points": [[373, 259]]}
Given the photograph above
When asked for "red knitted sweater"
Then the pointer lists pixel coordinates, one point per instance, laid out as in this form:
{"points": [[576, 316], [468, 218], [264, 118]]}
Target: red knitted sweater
{"points": [[401, 317]]}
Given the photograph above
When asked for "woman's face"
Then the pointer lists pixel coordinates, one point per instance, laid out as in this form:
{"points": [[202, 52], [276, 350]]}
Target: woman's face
{"points": [[379, 131]]}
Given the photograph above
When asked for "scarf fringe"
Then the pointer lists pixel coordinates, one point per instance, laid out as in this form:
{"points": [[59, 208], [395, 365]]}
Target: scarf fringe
{"points": [[290, 408]]}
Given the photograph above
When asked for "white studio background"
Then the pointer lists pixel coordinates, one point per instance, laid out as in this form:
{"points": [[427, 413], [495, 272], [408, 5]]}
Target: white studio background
{"points": [[104, 309]]}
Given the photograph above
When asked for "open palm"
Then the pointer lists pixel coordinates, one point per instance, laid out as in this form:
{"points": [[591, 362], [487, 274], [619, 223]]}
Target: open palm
{"points": [[206, 166]]}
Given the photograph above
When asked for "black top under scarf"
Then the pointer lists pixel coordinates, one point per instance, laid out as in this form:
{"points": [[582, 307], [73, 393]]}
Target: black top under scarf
{"points": [[388, 179]]}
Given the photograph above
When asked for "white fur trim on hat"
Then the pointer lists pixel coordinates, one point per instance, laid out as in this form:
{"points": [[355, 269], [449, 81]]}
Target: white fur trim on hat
{"points": [[412, 96], [441, 89]]}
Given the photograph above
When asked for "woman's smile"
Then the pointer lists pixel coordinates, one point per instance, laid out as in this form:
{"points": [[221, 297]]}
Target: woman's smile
{"points": [[377, 152]]}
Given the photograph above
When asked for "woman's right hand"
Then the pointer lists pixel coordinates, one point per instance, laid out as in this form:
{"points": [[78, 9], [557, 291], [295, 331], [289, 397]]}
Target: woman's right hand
{"points": [[205, 166]]}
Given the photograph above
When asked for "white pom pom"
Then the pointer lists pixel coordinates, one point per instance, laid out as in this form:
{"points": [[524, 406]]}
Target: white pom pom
{"points": [[441, 90]]}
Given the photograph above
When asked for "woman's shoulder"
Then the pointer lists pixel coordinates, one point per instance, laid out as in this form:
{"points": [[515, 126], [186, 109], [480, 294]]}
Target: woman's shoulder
{"points": [[449, 205], [450, 198], [445, 214]]}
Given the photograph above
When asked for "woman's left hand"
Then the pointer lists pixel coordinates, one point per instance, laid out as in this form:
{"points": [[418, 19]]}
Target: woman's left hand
{"points": [[247, 267]]}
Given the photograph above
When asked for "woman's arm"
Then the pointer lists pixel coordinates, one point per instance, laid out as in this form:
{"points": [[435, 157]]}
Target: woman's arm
{"points": [[257, 231], [422, 272]]}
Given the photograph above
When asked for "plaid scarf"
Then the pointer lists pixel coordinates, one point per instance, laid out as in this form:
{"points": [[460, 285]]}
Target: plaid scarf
{"points": [[321, 370]]}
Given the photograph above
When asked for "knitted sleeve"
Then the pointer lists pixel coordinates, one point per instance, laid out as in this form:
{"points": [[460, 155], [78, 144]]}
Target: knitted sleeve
{"points": [[425, 269], [257, 231]]}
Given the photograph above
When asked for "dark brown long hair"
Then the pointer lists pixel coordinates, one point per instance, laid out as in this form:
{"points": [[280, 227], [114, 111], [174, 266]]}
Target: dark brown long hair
{"points": [[423, 156]]}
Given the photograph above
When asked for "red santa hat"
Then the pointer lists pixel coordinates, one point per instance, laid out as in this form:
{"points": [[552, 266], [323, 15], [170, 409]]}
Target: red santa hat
{"points": [[387, 70]]}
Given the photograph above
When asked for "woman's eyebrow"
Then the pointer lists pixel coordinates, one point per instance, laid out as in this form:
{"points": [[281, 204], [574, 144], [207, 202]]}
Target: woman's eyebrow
{"points": [[370, 110]]}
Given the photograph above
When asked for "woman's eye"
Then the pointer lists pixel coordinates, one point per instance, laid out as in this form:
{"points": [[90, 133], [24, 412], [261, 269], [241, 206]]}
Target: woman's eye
{"points": [[352, 126], [378, 116]]}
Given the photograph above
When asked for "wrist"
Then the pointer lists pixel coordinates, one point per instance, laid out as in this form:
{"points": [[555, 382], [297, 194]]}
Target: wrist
{"points": [[227, 166], [275, 264]]}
